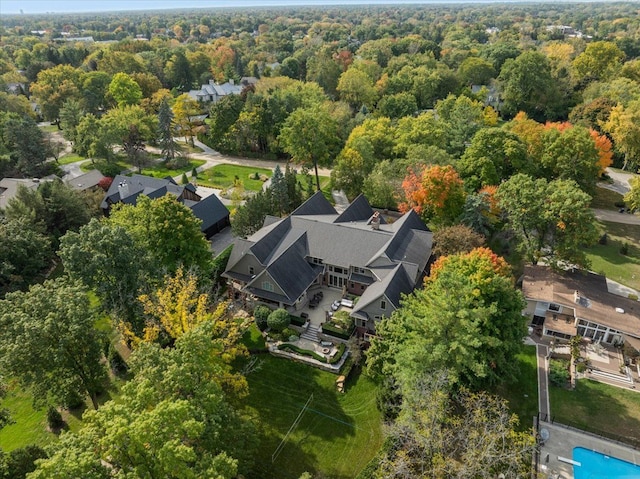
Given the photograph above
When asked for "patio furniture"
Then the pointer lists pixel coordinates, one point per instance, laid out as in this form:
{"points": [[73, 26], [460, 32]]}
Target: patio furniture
{"points": [[304, 316], [335, 305]]}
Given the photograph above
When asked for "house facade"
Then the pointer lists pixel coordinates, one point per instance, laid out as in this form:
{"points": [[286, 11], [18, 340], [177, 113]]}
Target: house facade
{"points": [[126, 189], [578, 303], [355, 252], [213, 92]]}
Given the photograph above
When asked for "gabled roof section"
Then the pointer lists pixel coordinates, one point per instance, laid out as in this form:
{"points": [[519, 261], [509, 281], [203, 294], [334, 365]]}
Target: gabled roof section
{"points": [[210, 210], [316, 205], [266, 244], [392, 286], [411, 242], [291, 270], [240, 248], [269, 220], [358, 210]]}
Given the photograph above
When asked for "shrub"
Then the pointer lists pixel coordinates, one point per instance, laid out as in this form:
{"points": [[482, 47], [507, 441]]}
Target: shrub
{"points": [[338, 333], [287, 334], [633, 297], [117, 363], [336, 357], [278, 320], [54, 419], [261, 313], [107, 168], [20, 462], [184, 179], [297, 321], [303, 352], [581, 367], [624, 249], [603, 239], [559, 372], [194, 172], [177, 163], [105, 183]]}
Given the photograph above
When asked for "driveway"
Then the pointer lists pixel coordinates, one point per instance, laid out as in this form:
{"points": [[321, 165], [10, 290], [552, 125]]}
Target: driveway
{"points": [[620, 181]]}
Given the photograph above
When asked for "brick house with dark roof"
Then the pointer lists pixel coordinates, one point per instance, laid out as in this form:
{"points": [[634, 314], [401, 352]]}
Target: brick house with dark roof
{"points": [[356, 252]]}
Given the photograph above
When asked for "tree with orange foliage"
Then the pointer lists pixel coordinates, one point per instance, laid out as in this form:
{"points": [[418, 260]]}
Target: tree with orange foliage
{"points": [[604, 147], [436, 193]]}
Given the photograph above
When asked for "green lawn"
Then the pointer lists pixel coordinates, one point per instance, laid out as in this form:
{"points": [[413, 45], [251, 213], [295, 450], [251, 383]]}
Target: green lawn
{"points": [[70, 158], [50, 128], [607, 259], [598, 408], [30, 425], [325, 184], [223, 176], [89, 165], [522, 395], [337, 436], [159, 170], [606, 199]]}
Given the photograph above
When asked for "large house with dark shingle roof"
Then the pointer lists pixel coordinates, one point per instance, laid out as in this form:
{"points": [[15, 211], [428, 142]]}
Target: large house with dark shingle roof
{"points": [[355, 251], [126, 189]]}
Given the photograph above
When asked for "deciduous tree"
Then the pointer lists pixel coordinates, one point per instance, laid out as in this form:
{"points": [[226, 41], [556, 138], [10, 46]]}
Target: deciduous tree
{"points": [[436, 193], [552, 220], [50, 344]]}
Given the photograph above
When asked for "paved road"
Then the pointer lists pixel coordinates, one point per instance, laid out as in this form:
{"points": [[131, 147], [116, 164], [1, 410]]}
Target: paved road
{"points": [[615, 217]]}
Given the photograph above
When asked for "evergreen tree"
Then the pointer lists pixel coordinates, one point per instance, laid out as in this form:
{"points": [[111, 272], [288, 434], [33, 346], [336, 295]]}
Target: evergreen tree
{"points": [[165, 131], [279, 191]]}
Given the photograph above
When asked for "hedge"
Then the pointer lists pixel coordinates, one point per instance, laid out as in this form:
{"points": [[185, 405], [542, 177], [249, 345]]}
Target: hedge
{"points": [[338, 333], [336, 357], [297, 321], [303, 352]]}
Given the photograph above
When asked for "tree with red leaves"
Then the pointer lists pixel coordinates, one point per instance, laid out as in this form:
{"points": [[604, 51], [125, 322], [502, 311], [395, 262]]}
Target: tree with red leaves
{"points": [[436, 193]]}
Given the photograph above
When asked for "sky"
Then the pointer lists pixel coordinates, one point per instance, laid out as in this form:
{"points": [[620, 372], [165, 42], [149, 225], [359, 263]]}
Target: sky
{"points": [[66, 6]]}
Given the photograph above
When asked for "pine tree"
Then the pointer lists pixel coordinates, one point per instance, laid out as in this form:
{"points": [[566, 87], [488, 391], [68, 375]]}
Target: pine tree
{"points": [[165, 131], [279, 191]]}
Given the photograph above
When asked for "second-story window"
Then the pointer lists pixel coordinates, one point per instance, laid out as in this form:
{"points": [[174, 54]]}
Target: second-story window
{"points": [[383, 304]]}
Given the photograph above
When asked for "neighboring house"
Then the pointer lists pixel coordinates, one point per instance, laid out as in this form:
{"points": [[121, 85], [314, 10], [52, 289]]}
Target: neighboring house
{"points": [[127, 189], [9, 188], [214, 92], [355, 251], [86, 181], [573, 303]]}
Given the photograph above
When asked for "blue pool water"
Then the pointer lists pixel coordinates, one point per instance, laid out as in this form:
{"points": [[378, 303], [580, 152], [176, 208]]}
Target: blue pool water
{"points": [[599, 466]]}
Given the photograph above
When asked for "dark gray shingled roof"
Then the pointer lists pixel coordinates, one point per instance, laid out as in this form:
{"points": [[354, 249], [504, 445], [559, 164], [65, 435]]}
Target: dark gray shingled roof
{"points": [[358, 210], [210, 210], [128, 188], [393, 286], [316, 205]]}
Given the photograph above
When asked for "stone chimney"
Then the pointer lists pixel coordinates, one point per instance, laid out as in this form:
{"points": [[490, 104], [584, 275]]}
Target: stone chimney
{"points": [[375, 221]]}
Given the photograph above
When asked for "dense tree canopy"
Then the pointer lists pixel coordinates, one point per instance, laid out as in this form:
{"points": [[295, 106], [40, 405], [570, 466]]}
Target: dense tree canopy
{"points": [[49, 343]]}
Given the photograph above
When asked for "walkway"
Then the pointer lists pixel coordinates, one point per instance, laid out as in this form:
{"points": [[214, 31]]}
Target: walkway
{"points": [[615, 217], [542, 353]]}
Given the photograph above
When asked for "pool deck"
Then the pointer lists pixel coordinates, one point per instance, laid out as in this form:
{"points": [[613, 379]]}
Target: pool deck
{"points": [[563, 439]]}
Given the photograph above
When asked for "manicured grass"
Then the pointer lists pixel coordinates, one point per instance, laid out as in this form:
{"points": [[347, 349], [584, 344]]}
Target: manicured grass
{"points": [[70, 158], [337, 435], [30, 424], [607, 259], [599, 408], [223, 176], [325, 184], [522, 394], [160, 170], [253, 339], [605, 199], [50, 128]]}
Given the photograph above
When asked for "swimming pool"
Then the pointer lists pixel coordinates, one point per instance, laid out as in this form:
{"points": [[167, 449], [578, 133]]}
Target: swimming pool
{"points": [[595, 465]]}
